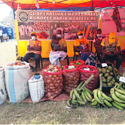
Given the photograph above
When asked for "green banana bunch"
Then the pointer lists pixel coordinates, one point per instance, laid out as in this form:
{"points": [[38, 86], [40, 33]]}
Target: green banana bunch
{"points": [[100, 99], [118, 95], [80, 96]]}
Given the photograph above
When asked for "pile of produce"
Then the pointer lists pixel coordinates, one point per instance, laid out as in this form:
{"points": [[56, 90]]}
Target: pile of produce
{"points": [[77, 63], [81, 95], [86, 71], [61, 67], [118, 95], [53, 80], [18, 63], [71, 78], [100, 99], [108, 77], [51, 68]]}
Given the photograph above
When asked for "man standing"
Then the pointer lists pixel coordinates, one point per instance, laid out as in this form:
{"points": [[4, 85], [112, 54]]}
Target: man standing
{"points": [[33, 50], [97, 41], [111, 49], [10, 34]]}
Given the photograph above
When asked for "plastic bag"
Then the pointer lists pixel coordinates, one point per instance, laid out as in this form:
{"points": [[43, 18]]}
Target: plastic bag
{"points": [[36, 87]]}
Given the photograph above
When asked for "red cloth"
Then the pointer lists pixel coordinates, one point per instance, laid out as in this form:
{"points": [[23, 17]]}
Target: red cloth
{"points": [[61, 97]]}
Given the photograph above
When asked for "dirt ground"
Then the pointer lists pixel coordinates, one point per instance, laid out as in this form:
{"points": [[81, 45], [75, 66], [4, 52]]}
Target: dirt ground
{"points": [[50, 112]]}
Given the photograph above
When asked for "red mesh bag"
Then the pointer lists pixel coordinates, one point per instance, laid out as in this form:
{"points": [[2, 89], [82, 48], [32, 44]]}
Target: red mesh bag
{"points": [[74, 63], [71, 78], [53, 83], [85, 74]]}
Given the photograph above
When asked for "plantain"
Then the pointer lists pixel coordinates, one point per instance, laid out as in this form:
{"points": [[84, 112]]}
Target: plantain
{"points": [[120, 91], [81, 102], [94, 102], [107, 97], [96, 96], [83, 97], [71, 93], [69, 102], [115, 97], [88, 90], [87, 97], [73, 101], [120, 104], [117, 106], [88, 94], [96, 106], [122, 97], [107, 103], [77, 95]]}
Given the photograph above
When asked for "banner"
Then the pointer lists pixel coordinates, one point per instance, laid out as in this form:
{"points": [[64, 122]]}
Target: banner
{"points": [[110, 21], [46, 23]]}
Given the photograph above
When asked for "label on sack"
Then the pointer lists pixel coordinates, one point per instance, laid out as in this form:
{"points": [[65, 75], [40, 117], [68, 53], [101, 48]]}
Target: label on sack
{"points": [[122, 79], [71, 67], [88, 69], [104, 65]]}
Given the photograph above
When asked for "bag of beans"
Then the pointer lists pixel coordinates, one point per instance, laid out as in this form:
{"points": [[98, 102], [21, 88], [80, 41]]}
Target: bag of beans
{"points": [[71, 78], [53, 80]]}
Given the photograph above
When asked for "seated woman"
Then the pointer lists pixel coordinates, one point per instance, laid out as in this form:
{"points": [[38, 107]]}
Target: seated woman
{"points": [[81, 45], [59, 48]]}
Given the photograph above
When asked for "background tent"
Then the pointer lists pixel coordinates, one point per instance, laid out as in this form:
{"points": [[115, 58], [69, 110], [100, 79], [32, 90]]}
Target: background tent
{"points": [[5, 30], [76, 5]]}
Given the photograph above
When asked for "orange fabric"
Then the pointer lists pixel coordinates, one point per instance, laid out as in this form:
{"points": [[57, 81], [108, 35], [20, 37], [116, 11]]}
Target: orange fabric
{"points": [[35, 43], [79, 42]]}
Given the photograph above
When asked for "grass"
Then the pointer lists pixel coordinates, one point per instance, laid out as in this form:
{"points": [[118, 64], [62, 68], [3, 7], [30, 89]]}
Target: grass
{"points": [[56, 113]]}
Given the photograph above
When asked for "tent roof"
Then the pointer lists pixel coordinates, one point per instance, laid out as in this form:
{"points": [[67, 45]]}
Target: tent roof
{"points": [[2, 25], [64, 4]]}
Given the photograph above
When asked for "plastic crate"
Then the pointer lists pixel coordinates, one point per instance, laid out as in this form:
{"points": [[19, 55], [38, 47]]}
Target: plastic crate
{"points": [[106, 89]]}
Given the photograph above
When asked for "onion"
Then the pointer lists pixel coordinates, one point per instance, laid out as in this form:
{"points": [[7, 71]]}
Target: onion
{"points": [[54, 76], [48, 81], [50, 76], [51, 84], [52, 88]]}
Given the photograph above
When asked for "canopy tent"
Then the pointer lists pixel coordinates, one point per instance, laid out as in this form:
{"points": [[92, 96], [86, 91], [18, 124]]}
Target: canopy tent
{"points": [[6, 29], [77, 5]]}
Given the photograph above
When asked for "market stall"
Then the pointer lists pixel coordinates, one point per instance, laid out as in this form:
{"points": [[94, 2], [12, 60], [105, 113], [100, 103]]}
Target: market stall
{"points": [[78, 84]]}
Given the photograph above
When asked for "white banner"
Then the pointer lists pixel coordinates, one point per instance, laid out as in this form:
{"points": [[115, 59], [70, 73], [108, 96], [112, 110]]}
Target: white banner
{"points": [[109, 25]]}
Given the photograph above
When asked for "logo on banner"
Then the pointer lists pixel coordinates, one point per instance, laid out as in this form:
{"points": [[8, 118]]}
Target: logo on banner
{"points": [[23, 16]]}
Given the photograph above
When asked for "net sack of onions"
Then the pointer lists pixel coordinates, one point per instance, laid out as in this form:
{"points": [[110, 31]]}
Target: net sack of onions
{"points": [[52, 76], [71, 78]]}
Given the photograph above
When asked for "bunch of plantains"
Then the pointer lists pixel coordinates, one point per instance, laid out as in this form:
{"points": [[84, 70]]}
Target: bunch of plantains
{"points": [[100, 99], [118, 96], [81, 95]]}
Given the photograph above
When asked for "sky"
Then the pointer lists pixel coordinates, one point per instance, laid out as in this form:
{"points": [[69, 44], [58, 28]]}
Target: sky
{"points": [[4, 10]]}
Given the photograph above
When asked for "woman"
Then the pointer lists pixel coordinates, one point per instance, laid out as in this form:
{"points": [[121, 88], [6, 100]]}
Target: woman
{"points": [[81, 45]]}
